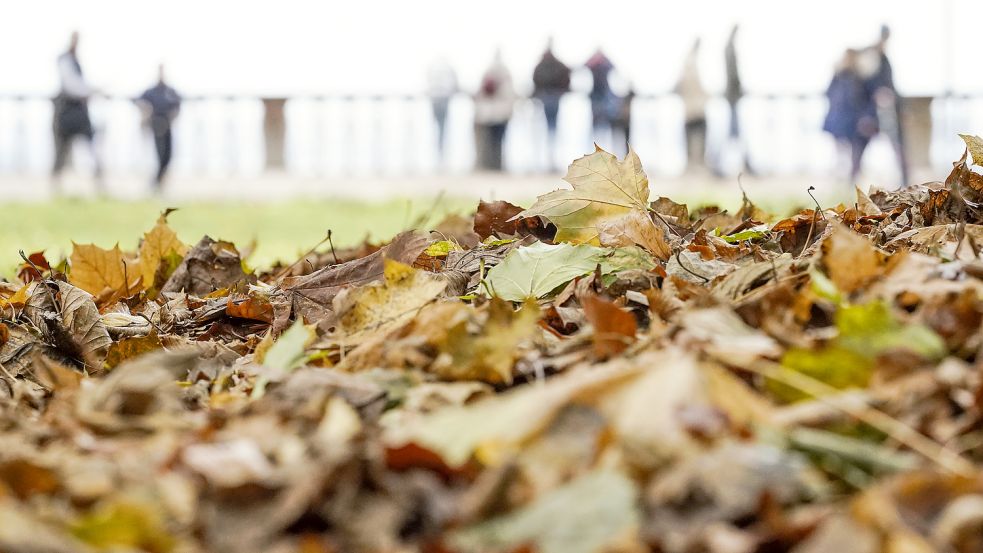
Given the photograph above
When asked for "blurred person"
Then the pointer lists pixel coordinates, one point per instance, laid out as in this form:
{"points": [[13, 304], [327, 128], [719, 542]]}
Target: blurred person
{"points": [[733, 92], [441, 88], [621, 124], [604, 102], [160, 104], [888, 103], [691, 92], [852, 115], [71, 113], [551, 80], [493, 106]]}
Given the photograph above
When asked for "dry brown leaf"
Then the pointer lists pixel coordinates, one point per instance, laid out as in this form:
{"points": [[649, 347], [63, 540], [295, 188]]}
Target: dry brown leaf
{"points": [[103, 272], [635, 227]]}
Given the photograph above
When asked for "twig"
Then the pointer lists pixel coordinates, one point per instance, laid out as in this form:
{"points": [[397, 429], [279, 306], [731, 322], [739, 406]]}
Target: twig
{"points": [[685, 268], [331, 243], [902, 433], [819, 208], [286, 269], [666, 223]]}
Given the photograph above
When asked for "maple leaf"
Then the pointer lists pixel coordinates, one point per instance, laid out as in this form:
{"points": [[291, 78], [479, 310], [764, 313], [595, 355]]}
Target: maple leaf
{"points": [[536, 270], [160, 246], [379, 307], [634, 227], [604, 189], [99, 271]]}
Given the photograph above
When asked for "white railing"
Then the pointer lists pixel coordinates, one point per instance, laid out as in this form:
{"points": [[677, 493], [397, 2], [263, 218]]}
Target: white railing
{"points": [[395, 135]]}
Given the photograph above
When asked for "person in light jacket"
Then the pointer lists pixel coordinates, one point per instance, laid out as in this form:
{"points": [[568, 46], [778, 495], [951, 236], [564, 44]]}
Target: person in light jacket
{"points": [[441, 88], [71, 114], [493, 106], [694, 98]]}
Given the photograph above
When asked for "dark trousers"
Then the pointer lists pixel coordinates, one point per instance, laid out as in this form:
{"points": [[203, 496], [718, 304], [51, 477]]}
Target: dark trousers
{"points": [[696, 143], [164, 144], [490, 140], [440, 108], [858, 145]]}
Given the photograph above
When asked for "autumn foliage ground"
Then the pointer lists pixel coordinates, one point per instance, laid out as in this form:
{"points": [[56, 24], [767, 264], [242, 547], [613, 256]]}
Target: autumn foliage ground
{"points": [[605, 370]]}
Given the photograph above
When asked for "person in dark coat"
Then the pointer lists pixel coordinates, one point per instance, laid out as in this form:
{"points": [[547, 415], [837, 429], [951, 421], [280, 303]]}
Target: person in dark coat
{"points": [[71, 113], [888, 101], [604, 103], [852, 115], [161, 105], [551, 80]]}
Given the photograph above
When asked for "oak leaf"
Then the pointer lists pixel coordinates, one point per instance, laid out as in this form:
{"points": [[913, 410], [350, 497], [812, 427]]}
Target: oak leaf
{"points": [[604, 189]]}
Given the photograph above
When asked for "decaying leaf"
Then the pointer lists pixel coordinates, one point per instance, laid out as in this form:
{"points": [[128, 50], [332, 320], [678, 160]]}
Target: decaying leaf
{"points": [[604, 189], [160, 253], [536, 270], [101, 272], [378, 307]]}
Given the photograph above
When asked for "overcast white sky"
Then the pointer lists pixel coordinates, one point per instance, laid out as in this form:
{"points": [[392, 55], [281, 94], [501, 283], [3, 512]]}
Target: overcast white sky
{"points": [[303, 46]]}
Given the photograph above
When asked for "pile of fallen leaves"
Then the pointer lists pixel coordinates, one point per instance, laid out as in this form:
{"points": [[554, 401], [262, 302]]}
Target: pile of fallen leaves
{"points": [[598, 372]]}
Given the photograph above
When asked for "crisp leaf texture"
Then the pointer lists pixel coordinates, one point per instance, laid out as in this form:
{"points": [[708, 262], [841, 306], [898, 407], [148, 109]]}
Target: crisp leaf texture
{"points": [[604, 189], [634, 227], [97, 270], [159, 244], [378, 307], [536, 270], [975, 146]]}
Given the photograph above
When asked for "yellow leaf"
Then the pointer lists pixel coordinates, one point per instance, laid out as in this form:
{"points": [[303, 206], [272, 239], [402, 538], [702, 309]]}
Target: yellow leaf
{"points": [[96, 270], [159, 244], [489, 354], [378, 307], [603, 189]]}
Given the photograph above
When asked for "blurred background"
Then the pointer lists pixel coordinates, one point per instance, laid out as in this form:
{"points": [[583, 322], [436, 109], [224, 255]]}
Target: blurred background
{"points": [[277, 121]]}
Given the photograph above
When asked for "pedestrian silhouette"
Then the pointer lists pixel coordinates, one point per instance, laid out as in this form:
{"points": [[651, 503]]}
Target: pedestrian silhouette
{"points": [[604, 103], [852, 115], [441, 88], [551, 80], [887, 100], [694, 98], [493, 106], [71, 113], [733, 93], [161, 105]]}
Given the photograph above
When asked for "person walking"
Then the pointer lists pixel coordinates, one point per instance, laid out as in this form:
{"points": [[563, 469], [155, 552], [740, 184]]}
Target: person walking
{"points": [[551, 80], [161, 105], [733, 93], [604, 102], [493, 106], [888, 101], [852, 115], [71, 114], [694, 98], [441, 88]]}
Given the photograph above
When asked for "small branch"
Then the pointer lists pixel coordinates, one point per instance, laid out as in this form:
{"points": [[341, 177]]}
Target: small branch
{"points": [[685, 268]]}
